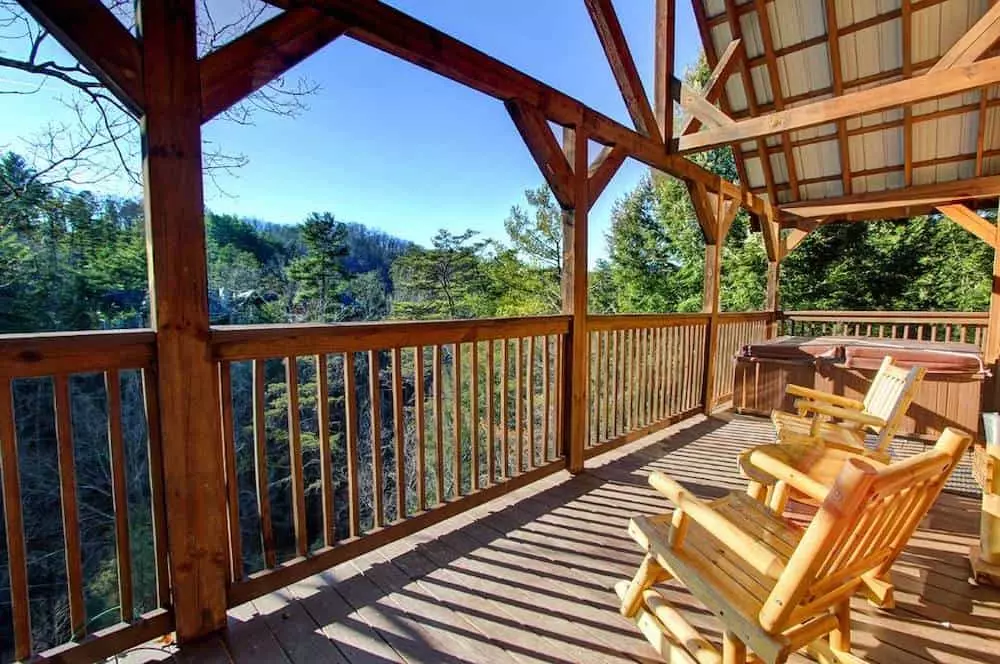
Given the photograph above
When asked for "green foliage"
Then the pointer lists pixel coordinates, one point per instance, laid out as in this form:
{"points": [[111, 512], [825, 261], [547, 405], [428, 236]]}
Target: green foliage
{"points": [[444, 281], [320, 272]]}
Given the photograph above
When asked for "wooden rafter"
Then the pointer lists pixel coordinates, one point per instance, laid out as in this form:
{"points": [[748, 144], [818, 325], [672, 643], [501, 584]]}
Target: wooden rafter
{"points": [[974, 43], [245, 65], [612, 38], [837, 72], [971, 222], [394, 32], [603, 168], [907, 91], [984, 94], [716, 83], [916, 197], [906, 20], [699, 107], [736, 30], [713, 60], [99, 41], [779, 98], [545, 150], [666, 17]]}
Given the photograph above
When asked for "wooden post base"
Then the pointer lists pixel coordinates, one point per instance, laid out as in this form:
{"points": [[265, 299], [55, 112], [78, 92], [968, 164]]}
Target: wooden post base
{"points": [[982, 571]]}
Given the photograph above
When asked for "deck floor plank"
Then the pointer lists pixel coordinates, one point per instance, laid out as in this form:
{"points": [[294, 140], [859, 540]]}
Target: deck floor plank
{"points": [[528, 578]]}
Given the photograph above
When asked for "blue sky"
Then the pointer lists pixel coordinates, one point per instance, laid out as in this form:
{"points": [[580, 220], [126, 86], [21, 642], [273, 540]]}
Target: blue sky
{"points": [[392, 146]]}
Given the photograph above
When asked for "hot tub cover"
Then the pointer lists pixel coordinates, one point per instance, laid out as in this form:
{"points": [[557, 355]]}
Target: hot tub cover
{"points": [[866, 353]]}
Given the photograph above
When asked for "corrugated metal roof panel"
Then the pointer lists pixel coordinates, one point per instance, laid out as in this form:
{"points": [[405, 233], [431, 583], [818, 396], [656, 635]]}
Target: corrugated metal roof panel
{"points": [[876, 141]]}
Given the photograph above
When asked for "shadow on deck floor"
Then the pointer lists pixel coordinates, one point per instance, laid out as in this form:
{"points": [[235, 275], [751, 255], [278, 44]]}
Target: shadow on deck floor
{"points": [[529, 577]]}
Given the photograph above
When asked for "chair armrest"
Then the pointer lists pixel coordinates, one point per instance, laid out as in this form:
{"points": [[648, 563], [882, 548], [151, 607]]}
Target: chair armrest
{"points": [[816, 395], [846, 414], [746, 547], [794, 478]]}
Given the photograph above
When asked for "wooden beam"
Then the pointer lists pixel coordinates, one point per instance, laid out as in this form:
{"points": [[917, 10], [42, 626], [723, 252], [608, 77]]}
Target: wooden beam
{"points": [[710, 304], [193, 471], [993, 330], [666, 38], [612, 37], [394, 32], [716, 83], [713, 61], [736, 29], [837, 71], [900, 93], [981, 130], [920, 195], [974, 43], [795, 236], [243, 66], [906, 21], [602, 170], [971, 222], [770, 229], [764, 21], [545, 150], [730, 209], [574, 291], [704, 211], [699, 107], [92, 35]]}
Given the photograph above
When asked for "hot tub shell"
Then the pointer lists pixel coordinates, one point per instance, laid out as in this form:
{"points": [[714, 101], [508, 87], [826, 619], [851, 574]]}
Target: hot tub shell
{"points": [[948, 396]]}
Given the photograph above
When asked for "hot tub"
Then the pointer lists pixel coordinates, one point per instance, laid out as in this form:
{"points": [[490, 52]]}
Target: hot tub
{"points": [[948, 396]]}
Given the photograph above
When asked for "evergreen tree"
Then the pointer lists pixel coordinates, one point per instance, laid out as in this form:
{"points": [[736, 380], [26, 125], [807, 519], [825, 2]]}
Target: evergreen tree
{"points": [[320, 273]]}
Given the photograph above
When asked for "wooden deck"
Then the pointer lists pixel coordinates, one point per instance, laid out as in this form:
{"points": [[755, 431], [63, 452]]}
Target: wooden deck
{"points": [[530, 578]]}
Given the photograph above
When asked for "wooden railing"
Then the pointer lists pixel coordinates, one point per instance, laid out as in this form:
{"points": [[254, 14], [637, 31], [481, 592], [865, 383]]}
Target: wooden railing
{"points": [[341, 438], [336, 439], [645, 372], [967, 327], [735, 331], [85, 547]]}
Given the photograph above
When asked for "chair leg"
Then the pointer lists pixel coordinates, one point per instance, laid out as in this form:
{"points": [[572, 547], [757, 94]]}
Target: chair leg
{"points": [[649, 573], [879, 591], [840, 638], [734, 651], [757, 491], [778, 497]]}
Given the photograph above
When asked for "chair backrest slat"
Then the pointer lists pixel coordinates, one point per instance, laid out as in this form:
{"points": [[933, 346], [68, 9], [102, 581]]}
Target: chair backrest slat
{"points": [[889, 397], [861, 527]]}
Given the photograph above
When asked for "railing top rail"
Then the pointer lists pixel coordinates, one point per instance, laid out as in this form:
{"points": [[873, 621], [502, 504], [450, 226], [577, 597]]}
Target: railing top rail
{"points": [[232, 342], [604, 322], [736, 316], [51, 353], [956, 317]]}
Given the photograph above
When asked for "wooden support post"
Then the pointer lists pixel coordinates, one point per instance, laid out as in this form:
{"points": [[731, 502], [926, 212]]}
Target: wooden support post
{"points": [[574, 296], [193, 475], [991, 396], [710, 305], [771, 300]]}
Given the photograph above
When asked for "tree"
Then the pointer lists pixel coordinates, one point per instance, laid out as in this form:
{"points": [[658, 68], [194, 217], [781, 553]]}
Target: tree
{"points": [[445, 281], [101, 138], [320, 274]]}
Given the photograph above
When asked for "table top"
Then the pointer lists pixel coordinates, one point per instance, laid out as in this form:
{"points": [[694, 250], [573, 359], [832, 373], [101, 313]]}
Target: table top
{"points": [[822, 462]]}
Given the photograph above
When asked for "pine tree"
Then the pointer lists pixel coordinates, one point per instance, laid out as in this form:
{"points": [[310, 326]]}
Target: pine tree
{"points": [[320, 274]]}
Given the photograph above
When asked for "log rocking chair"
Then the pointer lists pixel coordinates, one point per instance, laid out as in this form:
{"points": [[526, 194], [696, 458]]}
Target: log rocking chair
{"points": [[891, 392], [775, 586]]}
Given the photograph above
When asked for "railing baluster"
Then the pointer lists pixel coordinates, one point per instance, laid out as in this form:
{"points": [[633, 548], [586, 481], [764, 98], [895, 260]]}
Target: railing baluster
{"points": [[519, 405], [159, 515], [14, 524], [594, 406], [474, 424], [531, 401], [325, 460], [420, 424], [295, 456], [505, 408], [352, 422], [119, 492], [560, 342], [70, 512], [491, 412], [456, 425], [546, 398], [375, 416], [229, 463], [399, 431], [439, 423]]}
